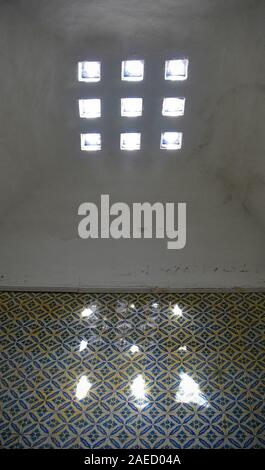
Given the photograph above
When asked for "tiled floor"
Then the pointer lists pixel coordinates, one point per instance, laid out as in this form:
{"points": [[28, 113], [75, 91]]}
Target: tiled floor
{"points": [[201, 370]]}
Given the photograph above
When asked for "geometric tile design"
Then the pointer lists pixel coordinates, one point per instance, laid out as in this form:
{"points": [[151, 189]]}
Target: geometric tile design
{"points": [[218, 343]]}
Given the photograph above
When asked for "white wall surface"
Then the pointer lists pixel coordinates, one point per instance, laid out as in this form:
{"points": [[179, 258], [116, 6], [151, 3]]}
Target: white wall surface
{"points": [[220, 172]]}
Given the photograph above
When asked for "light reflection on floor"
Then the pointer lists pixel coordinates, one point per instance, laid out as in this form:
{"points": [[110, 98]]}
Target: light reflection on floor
{"points": [[114, 370], [189, 391], [82, 388]]}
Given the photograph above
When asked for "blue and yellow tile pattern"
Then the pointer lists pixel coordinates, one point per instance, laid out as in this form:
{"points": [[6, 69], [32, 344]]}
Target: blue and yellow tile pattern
{"points": [[68, 377]]}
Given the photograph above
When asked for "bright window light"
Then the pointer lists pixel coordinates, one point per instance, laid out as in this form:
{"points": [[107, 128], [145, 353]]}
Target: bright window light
{"points": [[134, 349], [86, 312], [177, 310], [176, 69], [182, 349], [189, 391], [171, 140], [90, 108], [83, 345], [90, 142], [173, 106], [130, 141], [82, 387], [89, 71], [138, 387], [132, 70], [131, 107]]}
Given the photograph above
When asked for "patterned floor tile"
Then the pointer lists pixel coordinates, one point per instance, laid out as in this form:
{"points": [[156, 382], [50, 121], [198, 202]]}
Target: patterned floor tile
{"points": [[200, 359]]}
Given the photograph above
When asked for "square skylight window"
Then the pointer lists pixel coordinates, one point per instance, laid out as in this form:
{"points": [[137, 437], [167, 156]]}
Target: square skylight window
{"points": [[131, 107], [90, 108], [176, 69], [171, 140], [91, 142], [173, 106], [89, 71], [132, 70], [130, 141]]}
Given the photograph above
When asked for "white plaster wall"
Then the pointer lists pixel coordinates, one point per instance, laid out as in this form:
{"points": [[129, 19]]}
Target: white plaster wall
{"points": [[220, 173]]}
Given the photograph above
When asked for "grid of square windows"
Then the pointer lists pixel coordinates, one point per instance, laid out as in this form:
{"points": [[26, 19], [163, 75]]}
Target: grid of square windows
{"points": [[132, 107]]}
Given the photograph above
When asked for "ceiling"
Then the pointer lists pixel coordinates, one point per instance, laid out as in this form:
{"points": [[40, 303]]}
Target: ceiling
{"points": [[219, 173]]}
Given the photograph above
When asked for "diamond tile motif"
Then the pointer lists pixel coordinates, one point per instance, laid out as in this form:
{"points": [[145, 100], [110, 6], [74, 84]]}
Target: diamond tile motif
{"points": [[203, 370]]}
